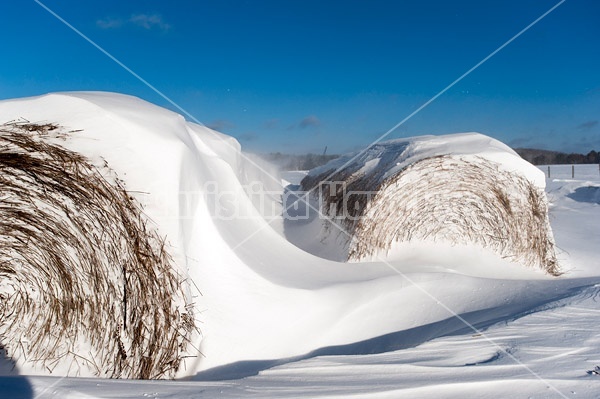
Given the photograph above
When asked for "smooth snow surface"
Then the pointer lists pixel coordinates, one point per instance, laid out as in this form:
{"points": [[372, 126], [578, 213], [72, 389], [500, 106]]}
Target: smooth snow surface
{"points": [[277, 321]]}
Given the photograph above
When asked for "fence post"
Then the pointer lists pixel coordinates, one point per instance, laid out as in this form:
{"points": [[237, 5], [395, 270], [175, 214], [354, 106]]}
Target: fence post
{"points": [[572, 171], [549, 170]]}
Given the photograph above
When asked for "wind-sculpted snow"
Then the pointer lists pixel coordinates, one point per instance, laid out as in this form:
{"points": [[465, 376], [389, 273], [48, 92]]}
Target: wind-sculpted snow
{"points": [[206, 277], [85, 283], [386, 198], [265, 293]]}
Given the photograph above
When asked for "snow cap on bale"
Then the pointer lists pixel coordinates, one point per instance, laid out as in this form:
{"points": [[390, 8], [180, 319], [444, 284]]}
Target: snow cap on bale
{"points": [[459, 189]]}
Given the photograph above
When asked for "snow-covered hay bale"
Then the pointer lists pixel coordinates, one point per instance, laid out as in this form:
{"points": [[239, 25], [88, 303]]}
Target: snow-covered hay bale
{"points": [[459, 189], [86, 285]]}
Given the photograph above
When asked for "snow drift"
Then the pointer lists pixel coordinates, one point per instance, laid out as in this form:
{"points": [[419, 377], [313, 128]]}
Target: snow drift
{"points": [[459, 189], [132, 246]]}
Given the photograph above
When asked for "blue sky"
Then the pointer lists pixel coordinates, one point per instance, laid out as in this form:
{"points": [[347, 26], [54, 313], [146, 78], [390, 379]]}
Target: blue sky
{"points": [[296, 76]]}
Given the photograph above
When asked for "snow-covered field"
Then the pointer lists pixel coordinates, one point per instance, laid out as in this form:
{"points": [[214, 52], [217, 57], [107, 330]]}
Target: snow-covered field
{"points": [[277, 321]]}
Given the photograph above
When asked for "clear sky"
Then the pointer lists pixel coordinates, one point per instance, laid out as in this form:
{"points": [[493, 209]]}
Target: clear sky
{"points": [[296, 76]]}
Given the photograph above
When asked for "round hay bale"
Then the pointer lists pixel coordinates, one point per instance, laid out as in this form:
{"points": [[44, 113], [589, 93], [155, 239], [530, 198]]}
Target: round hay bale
{"points": [[450, 198], [86, 285]]}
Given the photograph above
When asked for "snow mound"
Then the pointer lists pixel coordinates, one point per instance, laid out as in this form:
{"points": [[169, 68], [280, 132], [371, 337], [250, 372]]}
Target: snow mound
{"points": [[168, 267], [457, 189]]}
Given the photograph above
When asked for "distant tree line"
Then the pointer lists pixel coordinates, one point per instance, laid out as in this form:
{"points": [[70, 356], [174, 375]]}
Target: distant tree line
{"points": [[532, 155], [297, 162], [545, 157]]}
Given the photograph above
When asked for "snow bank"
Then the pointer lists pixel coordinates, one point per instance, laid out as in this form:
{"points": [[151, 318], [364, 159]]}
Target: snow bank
{"points": [[459, 189], [224, 287]]}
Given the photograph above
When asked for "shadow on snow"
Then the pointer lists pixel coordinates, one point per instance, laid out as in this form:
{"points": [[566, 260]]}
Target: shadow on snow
{"points": [[480, 319]]}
